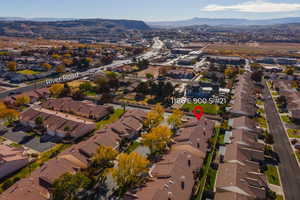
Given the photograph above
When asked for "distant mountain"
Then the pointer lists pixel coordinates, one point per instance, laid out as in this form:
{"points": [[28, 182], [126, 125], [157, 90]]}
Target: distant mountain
{"points": [[71, 29], [224, 22], [41, 19]]}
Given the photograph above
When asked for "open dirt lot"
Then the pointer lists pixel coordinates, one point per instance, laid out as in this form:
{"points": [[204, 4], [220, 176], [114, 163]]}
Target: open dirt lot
{"points": [[255, 49]]}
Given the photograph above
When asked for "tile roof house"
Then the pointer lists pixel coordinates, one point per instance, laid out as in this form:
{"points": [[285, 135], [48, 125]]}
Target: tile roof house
{"points": [[11, 159], [196, 134], [80, 108], [244, 123], [171, 178], [243, 137], [129, 125], [243, 101], [57, 125], [240, 179]]}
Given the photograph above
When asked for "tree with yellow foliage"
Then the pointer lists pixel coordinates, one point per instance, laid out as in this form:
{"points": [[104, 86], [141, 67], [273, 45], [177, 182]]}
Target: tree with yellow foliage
{"points": [[155, 116], [175, 119], [22, 100], [11, 66], [60, 69], [157, 139], [130, 170], [104, 157], [55, 56], [47, 66], [230, 72], [56, 89]]}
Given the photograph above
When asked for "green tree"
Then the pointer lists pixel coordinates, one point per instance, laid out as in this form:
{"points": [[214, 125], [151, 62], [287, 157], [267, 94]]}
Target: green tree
{"points": [[68, 185]]}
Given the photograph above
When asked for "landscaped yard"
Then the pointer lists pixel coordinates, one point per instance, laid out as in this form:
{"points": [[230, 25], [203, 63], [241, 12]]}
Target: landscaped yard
{"points": [[279, 197], [262, 122], [113, 117], [28, 72], [209, 174], [293, 133], [272, 175], [259, 102], [133, 146], [2, 139], [274, 93], [286, 119], [297, 155], [208, 108]]}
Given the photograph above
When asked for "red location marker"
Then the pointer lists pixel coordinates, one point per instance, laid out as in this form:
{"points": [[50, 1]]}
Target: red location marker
{"points": [[198, 112]]}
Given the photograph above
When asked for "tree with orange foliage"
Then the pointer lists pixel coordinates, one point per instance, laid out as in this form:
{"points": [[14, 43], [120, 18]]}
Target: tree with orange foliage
{"points": [[47, 66], [11, 66], [60, 69]]}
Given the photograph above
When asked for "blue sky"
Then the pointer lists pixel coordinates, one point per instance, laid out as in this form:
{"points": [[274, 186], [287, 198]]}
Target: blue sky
{"points": [[151, 10]]}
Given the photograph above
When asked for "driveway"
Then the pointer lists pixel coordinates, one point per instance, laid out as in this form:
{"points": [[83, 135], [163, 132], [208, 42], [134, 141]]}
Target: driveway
{"points": [[39, 144], [288, 166]]}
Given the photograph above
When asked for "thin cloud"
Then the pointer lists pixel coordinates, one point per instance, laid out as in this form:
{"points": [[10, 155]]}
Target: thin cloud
{"points": [[259, 6]]}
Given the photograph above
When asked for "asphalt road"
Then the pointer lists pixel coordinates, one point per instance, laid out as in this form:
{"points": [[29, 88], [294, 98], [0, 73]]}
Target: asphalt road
{"points": [[288, 167]]}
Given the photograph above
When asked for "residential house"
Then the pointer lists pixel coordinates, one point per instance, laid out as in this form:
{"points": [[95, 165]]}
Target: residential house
{"points": [[11, 159]]}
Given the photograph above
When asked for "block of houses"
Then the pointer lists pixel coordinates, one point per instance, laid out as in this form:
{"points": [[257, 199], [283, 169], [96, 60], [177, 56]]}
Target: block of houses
{"points": [[239, 181], [56, 125], [11, 159], [171, 178], [80, 108], [196, 134], [75, 158], [244, 123]]}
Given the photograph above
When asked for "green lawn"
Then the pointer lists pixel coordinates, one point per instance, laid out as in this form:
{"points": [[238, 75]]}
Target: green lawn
{"points": [[293, 133], [259, 102], [90, 93], [262, 122], [34, 165], [209, 175], [261, 111], [132, 146], [272, 175], [210, 180], [2, 139], [113, 117], [279, 197], [297, 154], [15, 145], [221, 139], [208, 108], [286, 119], [28, 72]]}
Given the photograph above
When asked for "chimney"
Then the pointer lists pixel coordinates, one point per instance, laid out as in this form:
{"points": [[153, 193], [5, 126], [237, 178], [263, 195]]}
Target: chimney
{"points": [[189, 160], [182, 182]]}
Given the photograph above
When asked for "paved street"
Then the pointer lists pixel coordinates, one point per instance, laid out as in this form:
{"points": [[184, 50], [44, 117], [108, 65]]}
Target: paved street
{"points": [[288, 167]]}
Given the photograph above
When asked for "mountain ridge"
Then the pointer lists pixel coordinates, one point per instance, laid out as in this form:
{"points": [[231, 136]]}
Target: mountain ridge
{"points": [[223, 22]]}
